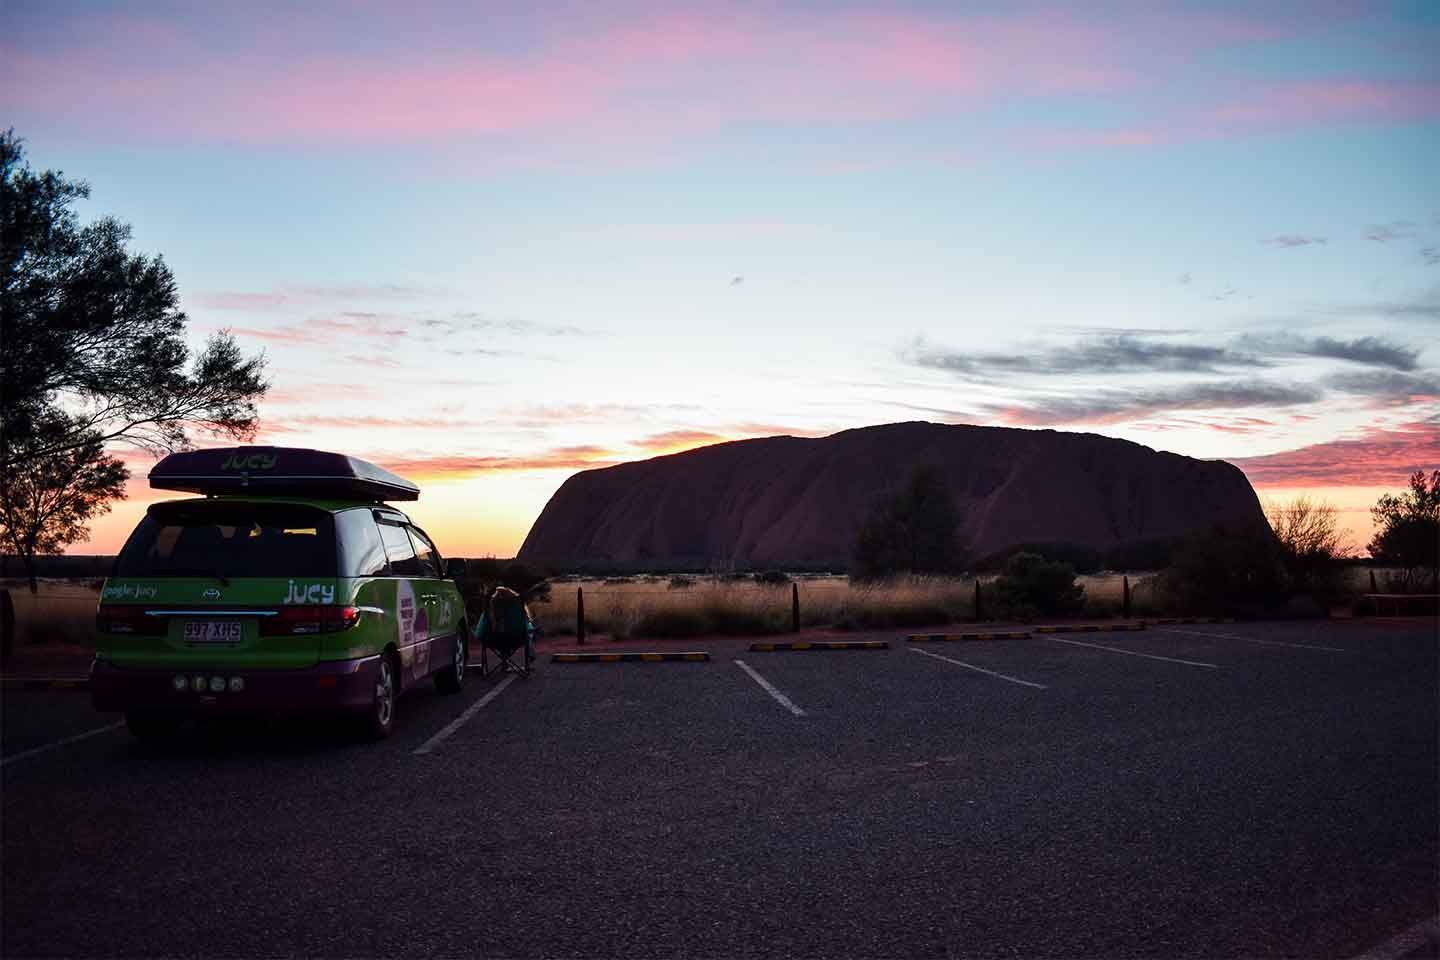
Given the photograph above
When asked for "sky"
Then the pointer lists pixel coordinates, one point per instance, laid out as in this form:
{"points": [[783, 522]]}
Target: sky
{"points": [[488, 245]]}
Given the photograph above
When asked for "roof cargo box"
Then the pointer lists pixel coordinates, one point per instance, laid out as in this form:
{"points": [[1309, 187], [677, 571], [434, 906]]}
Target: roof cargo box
{"points": [[279, 471]]}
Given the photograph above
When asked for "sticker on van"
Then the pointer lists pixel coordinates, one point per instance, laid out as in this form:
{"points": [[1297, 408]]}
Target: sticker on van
{"points": [[405, 608]]}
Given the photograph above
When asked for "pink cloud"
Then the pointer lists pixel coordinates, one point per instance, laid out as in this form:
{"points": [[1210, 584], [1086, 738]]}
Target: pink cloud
{"points": [[582, 457], [635, 86], [1379, 458], [1259, 108]]}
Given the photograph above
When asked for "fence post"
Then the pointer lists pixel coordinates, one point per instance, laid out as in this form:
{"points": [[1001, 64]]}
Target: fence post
{"points": [[978, 617], [7, 626], [580, 614], [1373, 588], [794, 608], [1125, 587]]}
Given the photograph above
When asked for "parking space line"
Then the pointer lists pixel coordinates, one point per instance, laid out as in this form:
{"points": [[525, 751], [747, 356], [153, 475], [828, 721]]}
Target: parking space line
{"points": [[769, 688], [1132, 653], [1424, 932], [1268, 643], [470, 711], [61, 743], [971, 666]]}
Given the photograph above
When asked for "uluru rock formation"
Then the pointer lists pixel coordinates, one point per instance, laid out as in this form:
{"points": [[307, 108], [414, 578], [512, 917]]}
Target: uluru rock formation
{"points": [[783, 501]]}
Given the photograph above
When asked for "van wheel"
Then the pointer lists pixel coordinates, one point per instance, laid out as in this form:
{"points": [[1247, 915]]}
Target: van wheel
{"points": [[152, 724], [452, 677], [380, 718]]}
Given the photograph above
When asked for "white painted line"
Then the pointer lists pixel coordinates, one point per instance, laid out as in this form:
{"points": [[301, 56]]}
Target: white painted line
{"points": [[1426, 931], [1132, 653], [60, 743], [769, 688], [1268, 643], [971, 666], [455, 724]]}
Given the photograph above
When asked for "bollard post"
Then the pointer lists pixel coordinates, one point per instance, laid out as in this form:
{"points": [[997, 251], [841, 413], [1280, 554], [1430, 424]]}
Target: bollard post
{"points": [[794, 608], [1125, 587], [7, 626], [977, 600], [579, 614], [1373, 588]]}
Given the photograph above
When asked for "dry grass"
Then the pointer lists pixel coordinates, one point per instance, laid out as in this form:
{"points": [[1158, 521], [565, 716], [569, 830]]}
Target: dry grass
{"points": [[62, 612], [646, 606]]}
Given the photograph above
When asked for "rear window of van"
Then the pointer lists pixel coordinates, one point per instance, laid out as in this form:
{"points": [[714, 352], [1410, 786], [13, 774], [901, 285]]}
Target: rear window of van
{"points": [[231, 540]]}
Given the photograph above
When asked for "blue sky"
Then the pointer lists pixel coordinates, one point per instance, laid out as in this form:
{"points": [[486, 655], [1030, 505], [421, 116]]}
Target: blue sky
{"points": [[490, 247]]}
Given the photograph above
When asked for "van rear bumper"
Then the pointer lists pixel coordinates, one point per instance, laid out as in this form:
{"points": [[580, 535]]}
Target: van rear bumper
{"points": [[329, 685]]}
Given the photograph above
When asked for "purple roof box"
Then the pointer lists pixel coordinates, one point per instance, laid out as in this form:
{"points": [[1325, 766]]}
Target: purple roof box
{"points": [[279, 471]]}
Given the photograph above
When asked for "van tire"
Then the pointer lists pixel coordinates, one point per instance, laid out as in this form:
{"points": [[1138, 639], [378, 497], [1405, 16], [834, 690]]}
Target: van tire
{"points": [[451, 677], [152, 724], [379, 719]]}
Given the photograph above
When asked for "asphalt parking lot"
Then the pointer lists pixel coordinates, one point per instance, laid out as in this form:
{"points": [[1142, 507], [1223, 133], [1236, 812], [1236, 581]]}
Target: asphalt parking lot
{"points": [[1207, 790]]}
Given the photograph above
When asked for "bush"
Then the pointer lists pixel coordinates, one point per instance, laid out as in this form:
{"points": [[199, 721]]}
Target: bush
{"points": [[681, 583], [1095, 608], [1150, 554], [772, 578], [672, 623], [1082, 558], [1309, 537], [1032, 585], [1226, 574]]}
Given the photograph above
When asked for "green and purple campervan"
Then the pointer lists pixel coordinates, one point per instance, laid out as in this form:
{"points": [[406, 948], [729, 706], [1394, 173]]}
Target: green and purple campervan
{"points": [[291, 584]]}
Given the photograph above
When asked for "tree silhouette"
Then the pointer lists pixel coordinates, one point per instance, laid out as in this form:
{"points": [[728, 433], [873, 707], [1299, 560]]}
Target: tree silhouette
{"points": [[1409, 530], [914, 529], [48, 497], [96, 331]]}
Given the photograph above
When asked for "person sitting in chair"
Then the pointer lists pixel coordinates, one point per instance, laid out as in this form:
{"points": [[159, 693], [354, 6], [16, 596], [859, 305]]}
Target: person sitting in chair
{"points": [[506, 624]]}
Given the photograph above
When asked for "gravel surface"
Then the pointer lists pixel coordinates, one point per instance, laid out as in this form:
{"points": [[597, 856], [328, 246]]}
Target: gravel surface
{"points": [[1280, 803]]}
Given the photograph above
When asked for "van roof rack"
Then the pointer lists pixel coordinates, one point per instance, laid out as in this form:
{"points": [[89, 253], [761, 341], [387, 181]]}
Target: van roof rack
{"points": [[279, 471]]}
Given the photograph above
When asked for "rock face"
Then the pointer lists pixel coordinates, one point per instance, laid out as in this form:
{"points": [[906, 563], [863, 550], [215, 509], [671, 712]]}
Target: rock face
{"points": [[783, 501]]}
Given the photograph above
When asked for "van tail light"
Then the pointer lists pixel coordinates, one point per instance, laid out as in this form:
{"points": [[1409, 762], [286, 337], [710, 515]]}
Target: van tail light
{"points": [[132, 620], [301, 620]]}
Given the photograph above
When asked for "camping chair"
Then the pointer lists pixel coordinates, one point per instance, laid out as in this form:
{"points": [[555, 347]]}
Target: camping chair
{"points": [[506, 629]]}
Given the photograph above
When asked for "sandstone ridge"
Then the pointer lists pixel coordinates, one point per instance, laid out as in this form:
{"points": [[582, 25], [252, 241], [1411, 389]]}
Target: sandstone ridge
{"points": [[797, 501]]}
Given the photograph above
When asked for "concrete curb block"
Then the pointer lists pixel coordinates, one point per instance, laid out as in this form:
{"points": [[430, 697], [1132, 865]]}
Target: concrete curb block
{"points": [[822, 645], [692, 656], [47, 683], [1092, 628], [942, 637], [1168, 620]]}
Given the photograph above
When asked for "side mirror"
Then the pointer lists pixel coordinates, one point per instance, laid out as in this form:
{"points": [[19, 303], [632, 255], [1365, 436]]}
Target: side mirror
{"points": [[454, 568]]}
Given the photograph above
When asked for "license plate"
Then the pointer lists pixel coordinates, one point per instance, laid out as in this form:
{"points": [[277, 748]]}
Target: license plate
{"points": [[212, 631]]}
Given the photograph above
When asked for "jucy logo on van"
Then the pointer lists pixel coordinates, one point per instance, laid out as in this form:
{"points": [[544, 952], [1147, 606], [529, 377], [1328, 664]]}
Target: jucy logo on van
{"points": [[310, 593], [258, 461]]}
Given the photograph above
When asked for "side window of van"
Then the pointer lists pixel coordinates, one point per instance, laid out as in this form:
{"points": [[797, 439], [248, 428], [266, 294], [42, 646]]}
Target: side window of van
{"points": [[425, 553], [362, 552], [403, 562]]}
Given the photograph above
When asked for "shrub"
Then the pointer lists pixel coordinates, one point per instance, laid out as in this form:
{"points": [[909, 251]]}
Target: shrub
{"points": [[673, 622], [681, 583], [1082, 558], [1153, 553], [1226, 573], [1094, 607], [1309, 537], [1033, 585], [772, 578]]}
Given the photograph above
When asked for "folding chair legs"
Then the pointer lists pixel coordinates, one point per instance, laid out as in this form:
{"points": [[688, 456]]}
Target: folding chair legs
{"points": [[505, 663]]}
